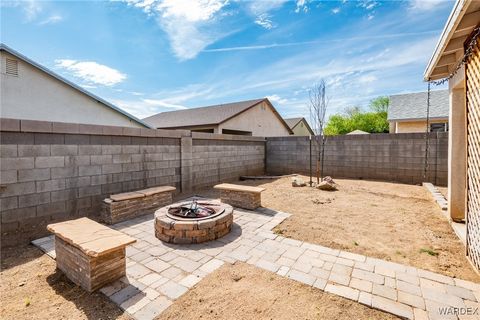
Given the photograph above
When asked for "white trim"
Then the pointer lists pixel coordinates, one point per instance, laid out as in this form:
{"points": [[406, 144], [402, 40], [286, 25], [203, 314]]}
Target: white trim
{"points": [[453, 21]]}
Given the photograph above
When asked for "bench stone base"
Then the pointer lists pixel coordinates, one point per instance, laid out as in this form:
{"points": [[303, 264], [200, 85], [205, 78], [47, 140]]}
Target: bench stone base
{"points": [[118, 211], [91, 273], [245, 200]]}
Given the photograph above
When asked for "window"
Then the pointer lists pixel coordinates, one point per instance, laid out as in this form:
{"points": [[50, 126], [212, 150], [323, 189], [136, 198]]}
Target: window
{"points": [[11, 67], [438, 127]]}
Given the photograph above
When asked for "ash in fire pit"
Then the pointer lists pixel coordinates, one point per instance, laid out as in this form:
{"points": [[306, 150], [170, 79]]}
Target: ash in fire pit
{"points": [[194, 221], [195, 210]]}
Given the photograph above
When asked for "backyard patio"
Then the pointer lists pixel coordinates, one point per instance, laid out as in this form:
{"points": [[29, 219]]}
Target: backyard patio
{"points": [[314, 248]]}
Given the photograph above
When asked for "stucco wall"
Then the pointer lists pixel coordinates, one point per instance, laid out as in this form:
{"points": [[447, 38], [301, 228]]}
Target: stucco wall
{"points": [[260, 120], [414, 126], [300, 130], [35, 95]]}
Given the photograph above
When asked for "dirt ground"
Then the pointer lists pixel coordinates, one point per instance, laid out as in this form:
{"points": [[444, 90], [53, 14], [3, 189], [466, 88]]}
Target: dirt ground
{"points": [[241, 291], [390, 221], [31, 288]]}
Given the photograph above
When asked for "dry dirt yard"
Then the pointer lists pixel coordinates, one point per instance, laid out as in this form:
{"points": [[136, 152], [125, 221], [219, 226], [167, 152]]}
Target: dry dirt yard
{"points": [[31, 288], [390, 221], [242, 291]]}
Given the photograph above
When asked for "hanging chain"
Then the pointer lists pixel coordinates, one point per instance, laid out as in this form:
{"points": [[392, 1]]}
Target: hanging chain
{"points": [[427, 130], [475, 36]]}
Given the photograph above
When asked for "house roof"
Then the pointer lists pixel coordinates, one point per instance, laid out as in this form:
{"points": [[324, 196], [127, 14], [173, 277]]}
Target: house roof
{"points": [[209, 115], [449, 49], [20, 56], [293, 122], [413, 106]]}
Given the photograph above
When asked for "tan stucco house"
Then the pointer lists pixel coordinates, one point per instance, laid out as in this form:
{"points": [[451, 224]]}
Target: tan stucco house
{"points": [[457, 58], [408, 112], [299, 126], [29, 91], [251, 118]]}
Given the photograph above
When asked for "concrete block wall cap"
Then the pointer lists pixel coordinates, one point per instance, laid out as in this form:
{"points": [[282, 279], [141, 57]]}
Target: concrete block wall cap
{"points": [[90, 129], [7, 124], [237, 187], [112, 130], [64, 127], [148, 132], [126, 196], [215, 136], [92, 238], [35, 126]]}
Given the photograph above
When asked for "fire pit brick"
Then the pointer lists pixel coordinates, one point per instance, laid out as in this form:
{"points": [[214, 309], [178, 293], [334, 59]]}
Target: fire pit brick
{"points": [[193, 230]]}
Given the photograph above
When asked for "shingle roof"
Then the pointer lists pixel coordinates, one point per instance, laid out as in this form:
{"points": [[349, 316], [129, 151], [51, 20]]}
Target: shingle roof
{"points": [[292, 121], [200, 116], [414, 105], [4, 47]]}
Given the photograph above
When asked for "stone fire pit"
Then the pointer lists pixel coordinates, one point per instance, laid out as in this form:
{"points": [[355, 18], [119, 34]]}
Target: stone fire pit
{"points": [[193, 221]]}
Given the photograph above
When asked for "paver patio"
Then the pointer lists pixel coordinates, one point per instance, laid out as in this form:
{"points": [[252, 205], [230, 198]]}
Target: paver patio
{"points": [[158, 273]]}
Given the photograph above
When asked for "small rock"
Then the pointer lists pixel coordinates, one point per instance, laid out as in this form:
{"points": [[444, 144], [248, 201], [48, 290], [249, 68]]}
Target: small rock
{"points": [[298, 182], [327, 184]]}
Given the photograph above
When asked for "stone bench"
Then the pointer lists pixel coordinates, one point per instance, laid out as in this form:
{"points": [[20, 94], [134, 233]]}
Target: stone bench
{"points": [[246, 197], [90, 254], [129, 205]]}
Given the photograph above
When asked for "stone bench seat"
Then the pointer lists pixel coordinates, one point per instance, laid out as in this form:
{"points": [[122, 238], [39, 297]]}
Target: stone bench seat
{"points": [[128, 205], [246, 197], [90, 254]]}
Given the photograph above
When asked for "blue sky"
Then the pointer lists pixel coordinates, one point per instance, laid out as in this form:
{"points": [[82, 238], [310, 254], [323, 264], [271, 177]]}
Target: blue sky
{"points": [[149, 56]]}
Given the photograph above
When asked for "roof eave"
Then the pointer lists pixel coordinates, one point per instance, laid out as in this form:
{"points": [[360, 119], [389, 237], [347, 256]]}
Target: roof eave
{"points": [[419, 119], [453, 20], [4, 47]]}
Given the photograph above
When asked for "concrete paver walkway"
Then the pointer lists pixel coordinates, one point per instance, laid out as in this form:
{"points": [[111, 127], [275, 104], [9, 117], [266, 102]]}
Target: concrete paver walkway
{"points": [[158, 273]]}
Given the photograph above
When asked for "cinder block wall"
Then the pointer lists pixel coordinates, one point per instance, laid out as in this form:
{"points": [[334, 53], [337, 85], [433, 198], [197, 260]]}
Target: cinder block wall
{"points": [[222, 160], [390, 157], [51, 172]]}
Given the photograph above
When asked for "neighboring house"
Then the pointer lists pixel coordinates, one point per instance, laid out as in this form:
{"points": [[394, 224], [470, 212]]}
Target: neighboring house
{"points": [[30, 91], [250, 118], [358, 132], [299, 126], [462, 32], [408, 112]]}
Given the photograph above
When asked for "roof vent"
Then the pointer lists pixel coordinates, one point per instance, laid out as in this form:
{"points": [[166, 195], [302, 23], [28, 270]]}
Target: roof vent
{"points": [[11, 67]]}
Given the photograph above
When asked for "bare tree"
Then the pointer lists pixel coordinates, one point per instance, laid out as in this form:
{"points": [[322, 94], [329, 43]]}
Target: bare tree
{"points": [[318, 103]]}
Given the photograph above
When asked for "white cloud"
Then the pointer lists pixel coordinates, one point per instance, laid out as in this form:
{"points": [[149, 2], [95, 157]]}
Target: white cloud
{"points": [[258, 7], [162, 103], [427, 5], [91, 72], [368, 78], [145, 107], [301, 6], [336, 10], [276, 98], [369, 4], [31, 8], [264, 21], [51, 20], [190, 25]]}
